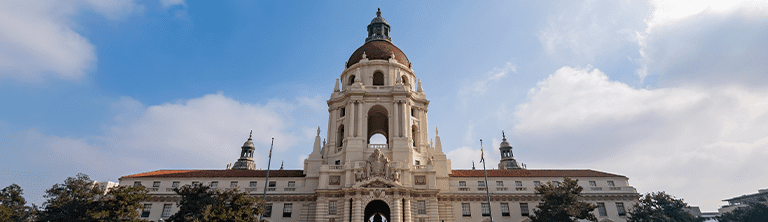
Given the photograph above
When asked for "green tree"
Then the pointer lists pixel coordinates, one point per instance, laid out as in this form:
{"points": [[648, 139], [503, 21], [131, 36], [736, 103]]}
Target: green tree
{"points": [[560, 202], [660, 206], [122, 203], [753, 212], [69, 201], [13, 204], [202, 203]]}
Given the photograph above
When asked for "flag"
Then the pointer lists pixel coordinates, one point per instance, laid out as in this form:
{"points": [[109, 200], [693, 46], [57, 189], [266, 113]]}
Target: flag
{"points": [[482, 155]]}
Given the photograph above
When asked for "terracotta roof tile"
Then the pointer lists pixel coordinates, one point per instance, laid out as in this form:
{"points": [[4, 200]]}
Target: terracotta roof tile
{"points": [[532, 173], [378, 49], [218, 173]]}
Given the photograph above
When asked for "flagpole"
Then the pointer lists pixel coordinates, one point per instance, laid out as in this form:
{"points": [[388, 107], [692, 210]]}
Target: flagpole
{"points": [[487, 193], [269, 162]]}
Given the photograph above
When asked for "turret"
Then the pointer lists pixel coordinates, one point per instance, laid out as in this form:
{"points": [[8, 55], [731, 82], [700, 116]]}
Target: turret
{"points": [[245, 162], [508, 161]]}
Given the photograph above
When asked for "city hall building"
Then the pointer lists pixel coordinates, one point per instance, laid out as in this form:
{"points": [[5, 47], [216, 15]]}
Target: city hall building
{"points": [[406, 179]]}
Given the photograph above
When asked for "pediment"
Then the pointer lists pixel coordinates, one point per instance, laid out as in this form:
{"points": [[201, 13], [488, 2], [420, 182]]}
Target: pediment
{"points": [[377, 182]]}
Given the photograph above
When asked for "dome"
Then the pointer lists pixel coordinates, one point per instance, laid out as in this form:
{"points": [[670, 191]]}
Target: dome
{"points": [[378, 49], [249, 143]]}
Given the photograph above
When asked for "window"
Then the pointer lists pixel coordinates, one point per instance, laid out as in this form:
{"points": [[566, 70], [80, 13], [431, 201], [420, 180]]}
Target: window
{"points": [[338, 162], [481, 183], [342, 112], [465, 210], [537, 183], [611, 184], [417, 163], [253, 184], [620, 209], [592, 183], [505, 209], [413, 112], [421, 206], [519, 183], [267, 210], [291, 183], [378, 78], [195, 183], [524, 209], [462, 183], [499, 183], [287, 210], [136, 183], [234, 183], [166, 211], [332, 208], [175, 184], [486, 209], [214, 184], [340, 136], [272, 183], [146, 210], [156, 184], [601, 209], [351, 80]]}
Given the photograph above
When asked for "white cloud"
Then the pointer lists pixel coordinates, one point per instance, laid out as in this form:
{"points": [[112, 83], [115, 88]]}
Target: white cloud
{"points": [[479, 87], [684, 140], [171, 3]]}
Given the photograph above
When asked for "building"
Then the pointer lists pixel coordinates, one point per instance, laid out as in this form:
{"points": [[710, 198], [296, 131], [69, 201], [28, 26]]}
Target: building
{"points": [[408, 178], [744, 200]]}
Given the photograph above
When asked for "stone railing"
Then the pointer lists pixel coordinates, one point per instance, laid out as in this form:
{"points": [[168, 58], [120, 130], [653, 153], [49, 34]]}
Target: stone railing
{"points": [[270, 189], [420, 167], [595, 188], [152, 189], [501, 189], [614, 188], [248, 190], [520, 188], [289, 189], [463, 188], [481, 189], [335, 167], [377, 146]]}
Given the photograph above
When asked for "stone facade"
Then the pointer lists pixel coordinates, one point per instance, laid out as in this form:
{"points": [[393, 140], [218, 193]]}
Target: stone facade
{"points": [[406, 179]]}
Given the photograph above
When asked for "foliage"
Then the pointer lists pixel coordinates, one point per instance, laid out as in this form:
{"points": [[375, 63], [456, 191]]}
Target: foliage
{"points": [[202, 203], [753, 212], [120, 204], [13, 205], [659, 206], [560, 202]]}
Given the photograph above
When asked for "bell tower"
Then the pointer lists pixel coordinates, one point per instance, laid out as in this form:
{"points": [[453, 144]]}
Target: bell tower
{"points": [[508, 161]]}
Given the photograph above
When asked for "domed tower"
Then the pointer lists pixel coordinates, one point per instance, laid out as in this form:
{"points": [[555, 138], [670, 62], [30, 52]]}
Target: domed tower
{"points": [[377, 96], [245, 162], [508, 161]]}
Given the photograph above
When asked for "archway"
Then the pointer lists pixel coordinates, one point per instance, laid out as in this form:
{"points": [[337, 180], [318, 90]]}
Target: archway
{"points": [[378, 78], [378, 122], [377, 210]]}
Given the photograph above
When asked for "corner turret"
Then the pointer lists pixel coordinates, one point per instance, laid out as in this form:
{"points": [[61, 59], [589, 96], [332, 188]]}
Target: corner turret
{"points": [[508, 161]]}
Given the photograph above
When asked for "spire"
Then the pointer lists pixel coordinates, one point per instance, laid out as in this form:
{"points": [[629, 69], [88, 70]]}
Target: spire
{"points": [[378, 29], [438, 144], [336, 87], [508, 161], [473, 165], [281, 165], [245, 162]]}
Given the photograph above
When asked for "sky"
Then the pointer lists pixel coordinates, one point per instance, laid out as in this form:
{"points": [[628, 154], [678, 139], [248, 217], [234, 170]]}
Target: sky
{"points": [[671, 94]]}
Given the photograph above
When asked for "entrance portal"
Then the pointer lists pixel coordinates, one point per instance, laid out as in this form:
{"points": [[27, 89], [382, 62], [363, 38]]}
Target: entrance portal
{"points": [[377, 211]]}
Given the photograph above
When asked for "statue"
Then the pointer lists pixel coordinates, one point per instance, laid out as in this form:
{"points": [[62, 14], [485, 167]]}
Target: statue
{"points": [[377, 165]]}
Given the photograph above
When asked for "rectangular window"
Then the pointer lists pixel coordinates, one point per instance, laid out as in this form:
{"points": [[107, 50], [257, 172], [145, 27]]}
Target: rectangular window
{"points": [[537, 183], [166, 211], [287, 210], [592, 183], [486, 209], [620, 209], [505, 209], [195, 183], [175, 184], [267, 210], [272, 183], [462, 183], [465, 210], [519, 183], [611, 184], [421, 206], [417, 163], [146, 210], [156, 184], [499, 183], [481, 183], [331, 207], [601, 210], [214, 184], [342, 112], [524, 209], [338, 162], [136, 183], [253, 184], [291, 183], [233, 184]]}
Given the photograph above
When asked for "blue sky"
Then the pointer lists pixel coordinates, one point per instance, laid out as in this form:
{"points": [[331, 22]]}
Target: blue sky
{"points": [[671, 94]]}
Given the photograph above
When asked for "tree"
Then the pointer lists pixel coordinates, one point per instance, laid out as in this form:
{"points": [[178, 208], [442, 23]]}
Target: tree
{"points": [[753, 212], [122, 203], [202, 203], [13, 205], [560, 202], [69, 201], [660, 206]]}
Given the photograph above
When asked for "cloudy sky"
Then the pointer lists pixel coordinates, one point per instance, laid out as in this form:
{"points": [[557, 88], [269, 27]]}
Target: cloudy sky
{"points": [[674, 95]]}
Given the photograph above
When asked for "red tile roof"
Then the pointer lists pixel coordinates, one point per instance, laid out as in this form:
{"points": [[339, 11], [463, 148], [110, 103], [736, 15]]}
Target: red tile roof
{"points": [[532, 173], [218, 173], [378, 49]]}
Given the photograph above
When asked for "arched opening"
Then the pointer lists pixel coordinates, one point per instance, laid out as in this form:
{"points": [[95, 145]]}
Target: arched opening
{"points": [[340, 136], [415, 135], [378, 78], [405, 80], [377, 138], [376, 211], [351, 80], [378, 122]]}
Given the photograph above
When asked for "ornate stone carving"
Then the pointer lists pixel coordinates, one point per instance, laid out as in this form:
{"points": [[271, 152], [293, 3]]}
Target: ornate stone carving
{"points": [[377, 165]]}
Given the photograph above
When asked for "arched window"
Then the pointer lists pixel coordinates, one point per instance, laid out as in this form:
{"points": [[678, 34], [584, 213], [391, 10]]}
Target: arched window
{"points": [[351, 80], [415, 135], [405, 80], [378, 78], [340, 136], [377, 138]]}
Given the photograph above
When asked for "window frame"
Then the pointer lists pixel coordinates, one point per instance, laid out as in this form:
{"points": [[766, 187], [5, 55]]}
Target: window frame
{"points": [[267, 210], [233, 184], [421, 207], [214, 184], [462, 183], [485, 209], [156, 184], [175, 184], [524, 211], [499, 183], [481, 183], [466, 210], [272, 184], [592, 183], [504, 209], [601, 211], [146, 211], [287, 209], [332, 208], [253, 184], [291, 183], [166, 210], [620, 209]]}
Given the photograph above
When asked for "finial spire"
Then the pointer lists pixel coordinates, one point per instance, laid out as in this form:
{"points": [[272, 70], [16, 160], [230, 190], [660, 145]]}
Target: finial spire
{"points": [[318, 131], [281, 165], [378, 12], [503, 136], [250, 135], [435, 131]]}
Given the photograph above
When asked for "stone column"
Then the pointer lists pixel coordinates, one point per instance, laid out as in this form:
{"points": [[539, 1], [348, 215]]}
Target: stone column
{"points": [[432, 210], [397, 210], [345, 211], [357, 209], [396, 123], [407, 209], [353, 119], [362, 120]]}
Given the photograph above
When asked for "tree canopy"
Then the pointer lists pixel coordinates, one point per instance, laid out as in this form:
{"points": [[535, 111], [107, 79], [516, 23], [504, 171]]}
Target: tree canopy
{"points": [[660, 206], [752, 212], [120, 204], [560, 202], [203, 203], [13, 206]]}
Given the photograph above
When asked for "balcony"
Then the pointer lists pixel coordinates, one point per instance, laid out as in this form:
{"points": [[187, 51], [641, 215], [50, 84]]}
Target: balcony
{"points": [[520, 188], [420, 167], [481, 189], [249, 190], [501, 189], [377, 146], [614, 188], [289, 189], [152, 189], [463, 188], [270, 189], [595, 188]]}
